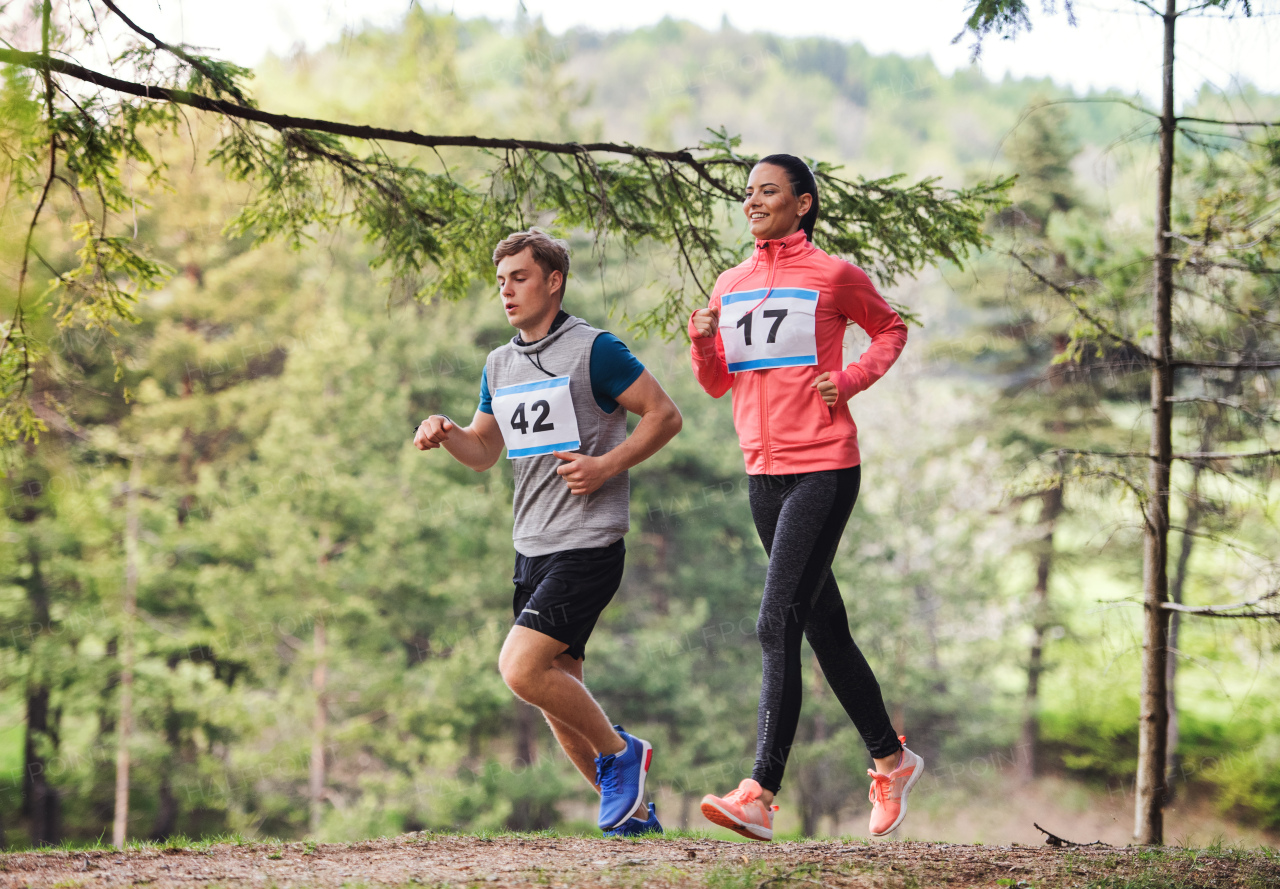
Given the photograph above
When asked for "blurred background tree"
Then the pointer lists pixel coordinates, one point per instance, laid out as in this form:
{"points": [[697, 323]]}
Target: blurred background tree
{"points": [[1102, 326]]}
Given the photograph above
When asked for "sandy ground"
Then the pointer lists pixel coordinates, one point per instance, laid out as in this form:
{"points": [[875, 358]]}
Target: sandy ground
{"points": [[540, 860]]}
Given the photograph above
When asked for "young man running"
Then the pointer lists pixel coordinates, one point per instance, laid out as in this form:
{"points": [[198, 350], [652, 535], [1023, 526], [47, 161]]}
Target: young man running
{"points": [[557, 397]]}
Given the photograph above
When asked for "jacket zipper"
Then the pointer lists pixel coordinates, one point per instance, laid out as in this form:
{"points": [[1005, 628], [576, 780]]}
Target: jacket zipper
{"points": [[764, 374], [764, 426]]}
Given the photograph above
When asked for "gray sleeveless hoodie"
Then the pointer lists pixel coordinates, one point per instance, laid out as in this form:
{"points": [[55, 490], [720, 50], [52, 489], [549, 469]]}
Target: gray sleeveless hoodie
{"points": [[547, 517]]}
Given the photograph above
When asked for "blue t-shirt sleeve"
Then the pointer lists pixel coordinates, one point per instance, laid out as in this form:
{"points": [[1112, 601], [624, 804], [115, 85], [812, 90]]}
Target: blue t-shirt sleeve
{"points": [[613, 370], [486, 400]]}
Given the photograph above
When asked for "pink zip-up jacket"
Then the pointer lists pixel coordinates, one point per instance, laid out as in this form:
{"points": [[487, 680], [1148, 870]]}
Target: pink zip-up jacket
{"points": [[783, 424]]}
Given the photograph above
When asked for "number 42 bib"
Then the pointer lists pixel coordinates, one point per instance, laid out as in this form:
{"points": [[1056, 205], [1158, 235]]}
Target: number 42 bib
{"points": [[760, 333], [536, 418]]}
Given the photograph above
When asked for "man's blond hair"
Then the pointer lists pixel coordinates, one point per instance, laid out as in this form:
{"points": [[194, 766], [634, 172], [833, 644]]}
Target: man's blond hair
{"points": [[551, 254]]}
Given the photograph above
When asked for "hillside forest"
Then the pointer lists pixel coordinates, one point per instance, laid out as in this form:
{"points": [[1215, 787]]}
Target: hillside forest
{"points": [[319, 606]]}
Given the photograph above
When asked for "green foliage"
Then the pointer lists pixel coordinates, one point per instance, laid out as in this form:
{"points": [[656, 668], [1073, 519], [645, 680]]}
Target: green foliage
{"points": [[1006, 18], [1068, 329], [1041, 149]]}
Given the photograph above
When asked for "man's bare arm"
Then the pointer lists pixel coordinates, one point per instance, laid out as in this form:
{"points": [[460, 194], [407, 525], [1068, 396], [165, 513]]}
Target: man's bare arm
{"points": [[660, 420], [478, 446]]}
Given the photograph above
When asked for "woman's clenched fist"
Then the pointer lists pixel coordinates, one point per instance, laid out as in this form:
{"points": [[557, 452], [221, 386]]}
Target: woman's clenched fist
{"points": [[705, 321]]}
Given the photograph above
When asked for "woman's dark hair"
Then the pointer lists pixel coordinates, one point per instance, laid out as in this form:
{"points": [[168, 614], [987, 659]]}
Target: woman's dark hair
{"points": [[802, 182]]}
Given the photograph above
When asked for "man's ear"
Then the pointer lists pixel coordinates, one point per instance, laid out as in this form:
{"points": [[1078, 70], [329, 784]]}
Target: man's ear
{"points": [[555, 281]]}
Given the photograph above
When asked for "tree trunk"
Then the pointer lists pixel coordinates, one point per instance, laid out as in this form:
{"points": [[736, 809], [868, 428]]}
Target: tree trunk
{"points": [[40, 800], [526, 813], [319, 676], [810, 775], [1176, 587], [167, 809], [809, 814], [1154, 715], [119, 826], [1050, 509], [527, 718], [102, 808], [167, 805], [107, 713]]}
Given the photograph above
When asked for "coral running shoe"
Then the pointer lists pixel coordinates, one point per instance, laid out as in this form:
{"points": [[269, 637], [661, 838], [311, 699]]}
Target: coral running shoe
{"points": [[889, 792], [741, 811]]}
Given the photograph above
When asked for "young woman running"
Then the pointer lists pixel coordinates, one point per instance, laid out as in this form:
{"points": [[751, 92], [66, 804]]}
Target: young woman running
{"points": [[774, 334]]}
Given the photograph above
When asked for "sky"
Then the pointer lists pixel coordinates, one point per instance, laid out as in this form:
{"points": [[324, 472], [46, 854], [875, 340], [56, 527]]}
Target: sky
{"points": [[1115, 45]]}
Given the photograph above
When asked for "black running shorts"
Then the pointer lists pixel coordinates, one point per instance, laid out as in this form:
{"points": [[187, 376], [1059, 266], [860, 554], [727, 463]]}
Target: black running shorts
{"points": [[562, 594]]}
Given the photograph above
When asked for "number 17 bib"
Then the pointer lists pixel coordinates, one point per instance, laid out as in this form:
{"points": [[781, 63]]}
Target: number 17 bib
{"points": [[536, 418], [760, 333]]}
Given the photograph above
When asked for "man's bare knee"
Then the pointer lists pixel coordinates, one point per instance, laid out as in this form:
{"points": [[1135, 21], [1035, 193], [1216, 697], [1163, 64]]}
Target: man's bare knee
{"points": [[519, 667], [521, 673], [524, 662]]}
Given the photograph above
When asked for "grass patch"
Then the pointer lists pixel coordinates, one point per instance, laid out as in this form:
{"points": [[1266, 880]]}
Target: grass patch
{"points": [[173, 844], [1152, 879], [766, 875], [676, 833], [737, 877]]}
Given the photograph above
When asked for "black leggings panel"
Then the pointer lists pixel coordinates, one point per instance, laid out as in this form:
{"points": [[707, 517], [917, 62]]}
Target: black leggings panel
{"points": [[800, 519]]}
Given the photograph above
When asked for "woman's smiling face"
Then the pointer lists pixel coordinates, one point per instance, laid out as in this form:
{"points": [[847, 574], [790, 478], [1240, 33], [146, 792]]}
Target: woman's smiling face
{"points": [[772, 209]]}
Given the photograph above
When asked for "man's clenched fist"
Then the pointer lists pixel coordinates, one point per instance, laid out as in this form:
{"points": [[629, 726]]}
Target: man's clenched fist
{"points": [[705, 321], [432, 432], [583, 474]]}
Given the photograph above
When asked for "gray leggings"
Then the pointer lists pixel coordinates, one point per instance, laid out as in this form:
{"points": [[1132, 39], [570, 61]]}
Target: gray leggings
{"points": [[800, 519]]}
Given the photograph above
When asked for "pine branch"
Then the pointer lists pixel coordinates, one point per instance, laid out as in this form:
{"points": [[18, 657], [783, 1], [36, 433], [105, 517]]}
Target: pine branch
{"points": [[1226, 455], [37, 62], [1199, 263], [195, 62], [1222, 402], [1099, 100], [1191, 457], [1052, 839], [1253, 364], [1067, 293], [1230, 123], [1115, 455], [1236, 610]]}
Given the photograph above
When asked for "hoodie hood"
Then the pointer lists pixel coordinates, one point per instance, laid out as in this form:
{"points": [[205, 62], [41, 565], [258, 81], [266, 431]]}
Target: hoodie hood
{"points": [[558, 329]]}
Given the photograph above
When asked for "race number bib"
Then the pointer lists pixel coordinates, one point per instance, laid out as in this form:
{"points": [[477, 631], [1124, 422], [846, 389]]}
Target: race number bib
{"points": [[536, 418], [761, 333]]}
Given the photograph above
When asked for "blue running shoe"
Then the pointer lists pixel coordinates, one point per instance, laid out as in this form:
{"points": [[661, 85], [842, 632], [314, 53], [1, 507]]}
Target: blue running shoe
{"points": [[621, 779], [634, 827]]}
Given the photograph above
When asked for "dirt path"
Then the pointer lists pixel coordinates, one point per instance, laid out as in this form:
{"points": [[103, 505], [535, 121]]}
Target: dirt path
{"points": [[539, 860]]}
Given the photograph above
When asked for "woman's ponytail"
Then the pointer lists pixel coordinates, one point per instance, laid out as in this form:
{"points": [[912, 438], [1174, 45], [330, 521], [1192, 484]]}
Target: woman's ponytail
{"points": [[802, 182]]}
